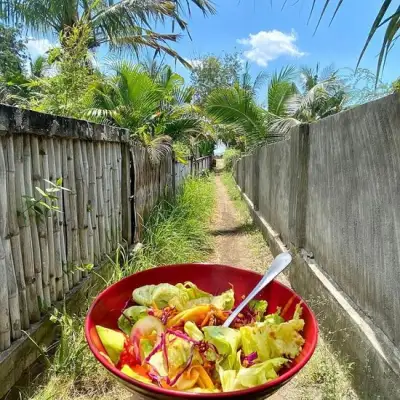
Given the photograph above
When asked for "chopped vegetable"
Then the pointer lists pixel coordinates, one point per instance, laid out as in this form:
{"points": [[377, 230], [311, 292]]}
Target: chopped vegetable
{"points": [[130, 316], [172, 337]]}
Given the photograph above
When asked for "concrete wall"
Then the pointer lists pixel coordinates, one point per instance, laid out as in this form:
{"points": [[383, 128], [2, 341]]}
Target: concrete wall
{"points": [[332, 190], [353, 206], [274, 184]]}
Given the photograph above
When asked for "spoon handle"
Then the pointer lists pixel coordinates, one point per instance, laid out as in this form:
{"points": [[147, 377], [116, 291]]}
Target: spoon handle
{"points": [[277, 266]]}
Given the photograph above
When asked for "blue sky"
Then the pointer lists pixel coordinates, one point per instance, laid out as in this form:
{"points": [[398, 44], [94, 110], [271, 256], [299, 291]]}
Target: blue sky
{"points": [[270, 37]]}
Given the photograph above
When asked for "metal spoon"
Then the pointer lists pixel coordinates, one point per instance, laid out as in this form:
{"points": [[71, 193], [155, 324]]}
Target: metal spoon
{"points": [[277, 266]]}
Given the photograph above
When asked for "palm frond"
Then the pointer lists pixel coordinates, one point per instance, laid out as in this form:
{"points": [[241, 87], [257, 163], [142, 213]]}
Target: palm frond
{"points": [[280, 89], [237, 109]]}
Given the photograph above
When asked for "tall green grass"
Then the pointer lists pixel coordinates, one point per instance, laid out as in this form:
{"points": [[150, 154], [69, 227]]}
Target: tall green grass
{"points": [[229, 157], [175, 232]]}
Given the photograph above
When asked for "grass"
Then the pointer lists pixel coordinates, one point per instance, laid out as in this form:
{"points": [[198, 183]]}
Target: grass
{"points": [[323, 378], [174, 233], [229, 157]]}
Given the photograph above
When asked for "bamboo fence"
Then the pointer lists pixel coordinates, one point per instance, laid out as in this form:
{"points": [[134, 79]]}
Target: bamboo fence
{"points": [[46, 253]]}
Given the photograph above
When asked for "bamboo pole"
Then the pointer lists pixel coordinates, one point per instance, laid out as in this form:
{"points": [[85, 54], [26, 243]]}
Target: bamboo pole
{"points": [[59, 287], [126, 216], [93, 203], [47, 226], [8, 290], [13, 248], [67, 213], [76, 259], [5, 338], [82, 200], [24, 229], [106, 199], [117, 180], [32, 171], [107, 194], [100, 199], [61, 215], [112, 195], [88, 215]]}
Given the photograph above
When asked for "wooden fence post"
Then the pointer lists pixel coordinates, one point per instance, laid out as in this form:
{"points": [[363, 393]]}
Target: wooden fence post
{"points": [[173, 172], [299, 157], [126, 194]]}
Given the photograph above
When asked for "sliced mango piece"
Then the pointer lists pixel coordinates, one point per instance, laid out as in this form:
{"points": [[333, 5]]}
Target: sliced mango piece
{"points": [[195, 314], [112, 341], [127, 370]]}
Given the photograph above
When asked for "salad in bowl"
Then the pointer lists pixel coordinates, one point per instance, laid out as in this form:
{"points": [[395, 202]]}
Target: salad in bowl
{"points": [[171, 336]]}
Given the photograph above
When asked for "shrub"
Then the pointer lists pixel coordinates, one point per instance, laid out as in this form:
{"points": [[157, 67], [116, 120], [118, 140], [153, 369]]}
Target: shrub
{"points": [[230, 156]]}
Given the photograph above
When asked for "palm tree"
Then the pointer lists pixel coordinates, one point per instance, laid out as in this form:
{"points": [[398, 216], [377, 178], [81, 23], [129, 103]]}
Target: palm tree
{"points": [[122, 25], [156, 111], [39, 66], [235, 109], [321, 94], [240, 119]]}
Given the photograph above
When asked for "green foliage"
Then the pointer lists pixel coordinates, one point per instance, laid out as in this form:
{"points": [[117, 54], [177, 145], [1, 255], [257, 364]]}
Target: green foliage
{"points": [[363, 86], [48, 201], [156, 109], [236, 108], [396, 85], [65, 93], [212, 72], [229, 157], [174, 233], [121, 25], [12, 51], [12, 64]]}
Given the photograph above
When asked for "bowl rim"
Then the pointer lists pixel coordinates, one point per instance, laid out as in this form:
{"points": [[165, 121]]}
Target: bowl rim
{"points": [[179, 394]]}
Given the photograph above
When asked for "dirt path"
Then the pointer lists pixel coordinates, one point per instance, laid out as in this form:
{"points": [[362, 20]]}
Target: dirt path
{"points": [[234, 235], [239, 243]]}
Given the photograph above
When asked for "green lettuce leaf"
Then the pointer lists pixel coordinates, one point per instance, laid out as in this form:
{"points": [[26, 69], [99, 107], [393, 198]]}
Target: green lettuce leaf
{"points": [[228, 379], [146, 347], [273, 319], [255, 375], [225, 301], [192, 291], [193, 331], [273, 340], [259, 307], [178, 353], [227, 342], [130, 316], [258, 374], [160, 295]]}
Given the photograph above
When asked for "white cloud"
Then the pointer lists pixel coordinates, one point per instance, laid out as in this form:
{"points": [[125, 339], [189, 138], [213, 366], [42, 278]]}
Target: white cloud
{"points": [[266, 46], [38, 47]]}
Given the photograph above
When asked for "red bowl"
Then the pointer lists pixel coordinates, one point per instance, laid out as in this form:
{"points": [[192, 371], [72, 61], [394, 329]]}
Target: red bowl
{"points": [[212, 278]]}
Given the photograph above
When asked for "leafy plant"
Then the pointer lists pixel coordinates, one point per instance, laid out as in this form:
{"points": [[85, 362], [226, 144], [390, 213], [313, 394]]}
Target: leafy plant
{"points": [[121, 25], [212, 72], [65, 92], [229, 157], [156, 109], [48, 202]]}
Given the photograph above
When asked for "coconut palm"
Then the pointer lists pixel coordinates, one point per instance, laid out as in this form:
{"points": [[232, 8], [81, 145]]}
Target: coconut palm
{"points": [[125, 24], [322, 93], [240, 118], [156, 111]]}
